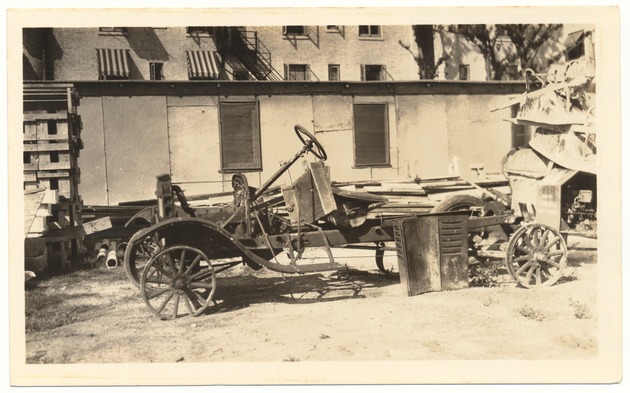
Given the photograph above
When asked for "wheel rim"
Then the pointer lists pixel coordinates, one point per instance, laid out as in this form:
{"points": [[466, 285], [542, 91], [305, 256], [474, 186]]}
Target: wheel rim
{"points": [[178, 281], [140, 254], [536, 256]]}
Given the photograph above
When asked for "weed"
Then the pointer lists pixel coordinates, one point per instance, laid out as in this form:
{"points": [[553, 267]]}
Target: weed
{"points": [[489, 301], [580, 310], [531, 313], [483, 274], [323, 336], [291, 359]]}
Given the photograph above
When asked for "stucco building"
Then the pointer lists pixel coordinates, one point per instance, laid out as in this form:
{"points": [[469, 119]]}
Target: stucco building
{"points": [[202, 103]]}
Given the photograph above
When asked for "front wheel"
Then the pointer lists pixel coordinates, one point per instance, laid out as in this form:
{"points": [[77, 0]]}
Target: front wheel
{"points": [[178, 281], [536, 255]]}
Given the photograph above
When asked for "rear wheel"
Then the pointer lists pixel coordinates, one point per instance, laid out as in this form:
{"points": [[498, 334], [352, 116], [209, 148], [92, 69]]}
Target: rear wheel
{"points": [[536, 255], [178, 281]]}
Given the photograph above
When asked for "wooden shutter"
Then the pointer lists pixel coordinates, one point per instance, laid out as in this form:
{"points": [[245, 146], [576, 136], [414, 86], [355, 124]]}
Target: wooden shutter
{"points": [[240, 136], [371, 141]]}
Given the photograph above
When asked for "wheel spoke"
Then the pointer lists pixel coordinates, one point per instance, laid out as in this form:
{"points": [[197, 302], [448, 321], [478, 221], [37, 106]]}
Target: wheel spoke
{"points": [[182, 262], [188, 305], [523, 268], [171, 261], [160, 268], [177, 295], [528, 241], [194, 297], [555, 253], [554, 264], [528, 277], [158, 292], [200, 275], [523, 258], [193, 264], [158, 281], [163, 305], [538, 278], [552, 242], [523, 249]]}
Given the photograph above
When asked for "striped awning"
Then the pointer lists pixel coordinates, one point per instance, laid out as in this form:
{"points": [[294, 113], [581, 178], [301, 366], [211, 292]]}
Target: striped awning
{"points": [[202, 64], [113, 63]]}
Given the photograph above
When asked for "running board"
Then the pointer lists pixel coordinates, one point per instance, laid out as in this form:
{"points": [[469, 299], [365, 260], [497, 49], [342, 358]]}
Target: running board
{"points": [[318, 267]]}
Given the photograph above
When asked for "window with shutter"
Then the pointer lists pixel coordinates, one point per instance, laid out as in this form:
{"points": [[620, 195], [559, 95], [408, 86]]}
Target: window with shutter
{"points": [[296, 72], [240, 136], [372, 72], [371, 136]]}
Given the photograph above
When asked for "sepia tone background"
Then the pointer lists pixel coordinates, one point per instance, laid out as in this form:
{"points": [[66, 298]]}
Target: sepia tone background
{"points": [[602, 20]]}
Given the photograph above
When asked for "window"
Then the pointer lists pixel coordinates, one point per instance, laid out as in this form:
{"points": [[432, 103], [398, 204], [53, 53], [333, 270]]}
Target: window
{"points": [[240, 136], [157, 73], [52, 127], [54, 156], [294, 30], [241, 75], [370, 31], [296, 72], [372, 72], [27, 157], [464, 72], [113, 30], [333, 72], [371, 137], [332, 28], [200, 30]]}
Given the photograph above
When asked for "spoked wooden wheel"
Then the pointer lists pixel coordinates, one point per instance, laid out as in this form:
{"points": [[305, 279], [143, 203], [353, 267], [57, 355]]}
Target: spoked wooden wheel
{"points": [[178, 281], [536, 255], [139, 253]]}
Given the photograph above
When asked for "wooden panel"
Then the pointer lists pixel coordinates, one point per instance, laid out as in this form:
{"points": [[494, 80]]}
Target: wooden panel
{"points": [[136, 143], [453, 239], [194, 144], [418, 260]]}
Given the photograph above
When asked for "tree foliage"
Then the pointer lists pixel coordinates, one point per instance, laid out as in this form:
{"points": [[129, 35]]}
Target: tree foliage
{"points": [[527, 41]]}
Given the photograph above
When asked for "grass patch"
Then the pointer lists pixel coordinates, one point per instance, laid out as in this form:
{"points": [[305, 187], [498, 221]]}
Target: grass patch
{"points": [[55, 302], [580, 310], [46, 311], [531, 313]]}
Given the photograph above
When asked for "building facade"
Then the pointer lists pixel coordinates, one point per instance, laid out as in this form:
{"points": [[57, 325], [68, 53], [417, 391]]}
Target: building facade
{"points": [[187, 101], [316, 53]]}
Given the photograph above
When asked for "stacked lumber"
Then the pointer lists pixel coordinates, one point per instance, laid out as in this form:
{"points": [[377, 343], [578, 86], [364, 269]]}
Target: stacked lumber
{"points": [[419, 196], [52, 142]]}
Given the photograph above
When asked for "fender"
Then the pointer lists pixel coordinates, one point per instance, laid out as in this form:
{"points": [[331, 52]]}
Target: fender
{"points": [[203, 234]]}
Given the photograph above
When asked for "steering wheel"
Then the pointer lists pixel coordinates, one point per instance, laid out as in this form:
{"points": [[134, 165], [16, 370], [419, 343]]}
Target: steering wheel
{"points": [[311, 142]]}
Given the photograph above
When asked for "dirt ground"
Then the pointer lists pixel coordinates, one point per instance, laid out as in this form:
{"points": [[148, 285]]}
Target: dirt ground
{"points": [[100, 317]]}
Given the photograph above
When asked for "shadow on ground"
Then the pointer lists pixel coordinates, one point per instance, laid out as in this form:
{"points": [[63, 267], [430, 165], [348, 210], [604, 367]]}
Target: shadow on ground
{"points": [[242, 291]]}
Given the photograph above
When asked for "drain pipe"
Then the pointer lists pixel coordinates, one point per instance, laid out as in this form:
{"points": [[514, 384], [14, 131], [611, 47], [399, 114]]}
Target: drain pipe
{"points": [[112, 260], [102, 251]]}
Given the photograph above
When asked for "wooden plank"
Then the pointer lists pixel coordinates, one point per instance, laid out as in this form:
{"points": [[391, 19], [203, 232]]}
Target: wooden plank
{"points": [[45, 116], [32, 200], [78, 231]]}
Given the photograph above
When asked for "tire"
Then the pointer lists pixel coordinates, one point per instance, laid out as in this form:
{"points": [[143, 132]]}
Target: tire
{"points": [[454, 203]]}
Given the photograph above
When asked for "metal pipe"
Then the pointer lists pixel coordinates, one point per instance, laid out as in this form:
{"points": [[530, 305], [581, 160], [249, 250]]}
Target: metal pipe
{"points": [[112, 260]]}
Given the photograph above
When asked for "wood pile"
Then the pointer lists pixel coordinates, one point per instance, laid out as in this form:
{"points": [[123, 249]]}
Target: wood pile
{"points": [[52, 142]]}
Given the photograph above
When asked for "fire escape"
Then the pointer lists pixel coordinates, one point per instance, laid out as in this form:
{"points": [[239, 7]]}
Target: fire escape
{"points": [[246, 46]]}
